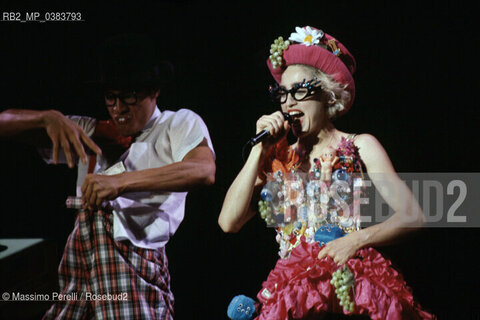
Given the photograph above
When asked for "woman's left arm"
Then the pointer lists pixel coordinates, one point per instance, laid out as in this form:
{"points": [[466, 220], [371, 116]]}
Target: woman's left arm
{"points": [[408, 215]]}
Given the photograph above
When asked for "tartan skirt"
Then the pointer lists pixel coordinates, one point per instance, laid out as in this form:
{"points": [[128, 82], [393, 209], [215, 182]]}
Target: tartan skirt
{"points": [[108, 279]]}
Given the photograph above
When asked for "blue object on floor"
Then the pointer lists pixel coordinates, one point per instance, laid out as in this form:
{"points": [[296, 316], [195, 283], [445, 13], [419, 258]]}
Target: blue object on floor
{"points": [[241, 308]]}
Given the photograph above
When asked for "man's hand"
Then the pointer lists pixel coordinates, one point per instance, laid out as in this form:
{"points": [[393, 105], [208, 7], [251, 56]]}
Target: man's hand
{"points": [[69, 136], [98, 188]]}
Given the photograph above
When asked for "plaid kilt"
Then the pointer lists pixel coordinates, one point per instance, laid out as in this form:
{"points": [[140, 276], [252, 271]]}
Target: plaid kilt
{"points": [[111, 279]]}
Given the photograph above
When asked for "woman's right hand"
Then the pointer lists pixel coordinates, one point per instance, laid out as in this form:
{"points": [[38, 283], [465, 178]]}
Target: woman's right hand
{"points": [[67, 135], [276, 124]]}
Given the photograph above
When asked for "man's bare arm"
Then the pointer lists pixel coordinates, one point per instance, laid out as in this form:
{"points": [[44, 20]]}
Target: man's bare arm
{"points": [[197, 168], [44, 127]]}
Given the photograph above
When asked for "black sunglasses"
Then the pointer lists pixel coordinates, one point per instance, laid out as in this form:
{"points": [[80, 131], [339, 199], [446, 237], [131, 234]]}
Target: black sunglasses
{"points": [[299, 91], [127, 97]]}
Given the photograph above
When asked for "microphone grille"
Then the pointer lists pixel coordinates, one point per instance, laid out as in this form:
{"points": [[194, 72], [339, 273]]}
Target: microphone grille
{"points": [[287, 117]]}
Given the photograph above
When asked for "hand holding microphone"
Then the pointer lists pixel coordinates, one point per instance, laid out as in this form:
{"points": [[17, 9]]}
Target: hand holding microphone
{"points": [[271, 125]]}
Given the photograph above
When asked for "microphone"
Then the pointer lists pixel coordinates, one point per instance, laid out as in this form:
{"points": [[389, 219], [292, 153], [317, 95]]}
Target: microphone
{"points": [[265, 133]]}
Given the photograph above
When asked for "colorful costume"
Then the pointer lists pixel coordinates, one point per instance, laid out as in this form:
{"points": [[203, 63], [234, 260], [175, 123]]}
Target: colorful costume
{"points": [[309, 212], [311, 209]]}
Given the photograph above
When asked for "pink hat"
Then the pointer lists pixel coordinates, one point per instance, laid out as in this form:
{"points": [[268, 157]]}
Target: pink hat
{"points": [[313, 47]]}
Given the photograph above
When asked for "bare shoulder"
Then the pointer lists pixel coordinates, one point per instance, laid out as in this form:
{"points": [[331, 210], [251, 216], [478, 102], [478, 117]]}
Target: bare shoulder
{"points": [[372, 152], [367, 142]]}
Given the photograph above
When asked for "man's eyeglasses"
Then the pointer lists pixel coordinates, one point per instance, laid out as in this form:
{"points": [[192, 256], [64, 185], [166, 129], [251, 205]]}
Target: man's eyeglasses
{"points": [[128, 97], [299, 91]]}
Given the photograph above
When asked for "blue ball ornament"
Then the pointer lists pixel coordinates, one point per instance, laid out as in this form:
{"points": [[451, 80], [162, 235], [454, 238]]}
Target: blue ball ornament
{"points": [[266, 195], [341, 175]]}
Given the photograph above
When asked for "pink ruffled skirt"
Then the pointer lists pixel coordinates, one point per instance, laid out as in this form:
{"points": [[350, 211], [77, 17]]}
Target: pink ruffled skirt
{"points": [[299, 287]]}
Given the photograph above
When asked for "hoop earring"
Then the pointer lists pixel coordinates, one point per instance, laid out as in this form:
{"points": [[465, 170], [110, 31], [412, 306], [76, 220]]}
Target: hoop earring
{"points": [[332, 99]]}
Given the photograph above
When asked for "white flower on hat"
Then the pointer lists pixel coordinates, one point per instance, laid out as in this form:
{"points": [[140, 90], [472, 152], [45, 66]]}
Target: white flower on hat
{"points": [[306, 36]]}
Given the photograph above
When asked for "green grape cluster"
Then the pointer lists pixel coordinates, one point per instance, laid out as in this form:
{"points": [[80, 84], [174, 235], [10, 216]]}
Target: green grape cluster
{"points": [[276, 50], [343, 281], [265, 211]]}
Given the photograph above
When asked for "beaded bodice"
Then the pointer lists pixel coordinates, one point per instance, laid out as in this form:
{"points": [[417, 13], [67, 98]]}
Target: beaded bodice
{"points": [[300, 203]]}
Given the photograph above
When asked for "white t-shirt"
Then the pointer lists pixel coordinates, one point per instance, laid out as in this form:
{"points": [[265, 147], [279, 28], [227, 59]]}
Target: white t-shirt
{"points": [[148, 219]]}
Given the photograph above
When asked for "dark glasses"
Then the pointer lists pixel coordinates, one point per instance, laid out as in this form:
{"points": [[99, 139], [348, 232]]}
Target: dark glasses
{"points": [[299, 91]]}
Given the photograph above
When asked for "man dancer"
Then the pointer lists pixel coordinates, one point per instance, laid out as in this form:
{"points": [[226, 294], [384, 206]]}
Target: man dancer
{"points": [[132, 189]]}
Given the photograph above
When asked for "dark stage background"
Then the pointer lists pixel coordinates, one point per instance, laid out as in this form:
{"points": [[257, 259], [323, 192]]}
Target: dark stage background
{"points": [[416, 92]]}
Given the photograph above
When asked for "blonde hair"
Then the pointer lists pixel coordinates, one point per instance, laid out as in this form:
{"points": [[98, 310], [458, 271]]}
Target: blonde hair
{"points": [[340, 96]]}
